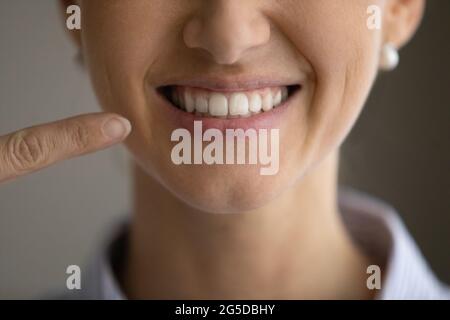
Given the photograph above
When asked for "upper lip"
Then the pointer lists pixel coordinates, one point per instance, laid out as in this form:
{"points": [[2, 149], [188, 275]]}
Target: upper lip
{"points": [[228, 84]]}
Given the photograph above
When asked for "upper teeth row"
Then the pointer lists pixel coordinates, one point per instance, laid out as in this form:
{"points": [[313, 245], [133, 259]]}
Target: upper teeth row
{"points": [[232, 104]]}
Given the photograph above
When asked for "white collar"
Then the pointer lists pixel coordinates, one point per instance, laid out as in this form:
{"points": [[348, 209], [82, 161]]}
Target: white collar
{"points": [[378, 229]]}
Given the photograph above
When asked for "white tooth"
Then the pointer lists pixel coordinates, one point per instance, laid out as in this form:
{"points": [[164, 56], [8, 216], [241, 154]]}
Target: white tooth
{"points": [[267, 103], [181, 100], [284, 93], [201, 104], [255, 103], [238, 104], [277, 98], [218, 105], [189, 102]]}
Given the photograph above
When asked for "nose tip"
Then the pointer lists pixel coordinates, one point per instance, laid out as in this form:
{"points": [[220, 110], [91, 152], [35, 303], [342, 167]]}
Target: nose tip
{"points": [[227, 34]]}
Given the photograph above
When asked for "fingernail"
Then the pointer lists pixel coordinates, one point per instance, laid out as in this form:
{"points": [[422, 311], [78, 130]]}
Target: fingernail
{"points": [[116, 128]]}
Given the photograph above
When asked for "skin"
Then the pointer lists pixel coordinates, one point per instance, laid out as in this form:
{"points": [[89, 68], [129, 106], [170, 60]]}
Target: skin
{"points": [[234, 233]]}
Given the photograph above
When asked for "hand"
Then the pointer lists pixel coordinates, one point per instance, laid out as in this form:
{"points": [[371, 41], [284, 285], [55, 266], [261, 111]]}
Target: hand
{"points": [[35, 148]]}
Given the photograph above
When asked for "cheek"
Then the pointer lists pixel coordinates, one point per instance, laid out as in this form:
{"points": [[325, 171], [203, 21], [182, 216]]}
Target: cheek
{"points": [[121, 41], [343, 74]]}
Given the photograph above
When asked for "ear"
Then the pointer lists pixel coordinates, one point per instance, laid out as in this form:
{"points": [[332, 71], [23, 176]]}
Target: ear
{"points": [[401, 20], [74, 34]]}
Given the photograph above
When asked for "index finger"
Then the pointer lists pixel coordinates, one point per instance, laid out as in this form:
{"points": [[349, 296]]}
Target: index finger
{"points": [[37, 147]]}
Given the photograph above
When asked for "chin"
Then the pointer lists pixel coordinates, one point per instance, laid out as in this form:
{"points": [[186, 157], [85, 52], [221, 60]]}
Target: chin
{"points": [[218, 188], [224, 190]]}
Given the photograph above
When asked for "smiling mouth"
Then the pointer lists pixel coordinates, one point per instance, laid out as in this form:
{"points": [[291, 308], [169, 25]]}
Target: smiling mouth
{"points": [[227, 105]]}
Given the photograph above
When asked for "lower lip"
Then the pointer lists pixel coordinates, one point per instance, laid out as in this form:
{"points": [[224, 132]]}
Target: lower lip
{"points": [[263, 120]]}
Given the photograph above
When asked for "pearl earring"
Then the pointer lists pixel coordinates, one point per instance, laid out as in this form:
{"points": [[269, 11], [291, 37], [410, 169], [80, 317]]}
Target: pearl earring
{"points": [[389, 57]]}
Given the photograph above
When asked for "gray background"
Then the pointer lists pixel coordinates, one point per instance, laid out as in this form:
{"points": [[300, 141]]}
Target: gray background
{"points": [[399, 149]]}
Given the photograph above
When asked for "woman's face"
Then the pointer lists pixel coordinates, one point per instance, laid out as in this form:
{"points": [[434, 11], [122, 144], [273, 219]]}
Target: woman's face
{"points": [[321, 50]]}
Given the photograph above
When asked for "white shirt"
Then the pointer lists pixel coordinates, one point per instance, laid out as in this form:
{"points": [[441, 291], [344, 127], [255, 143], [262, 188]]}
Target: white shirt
{"points": [[374, 226]]}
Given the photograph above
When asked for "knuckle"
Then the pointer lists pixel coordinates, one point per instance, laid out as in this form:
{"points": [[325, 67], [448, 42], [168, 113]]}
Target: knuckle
{"points": [[26, 150], [78, 135]]}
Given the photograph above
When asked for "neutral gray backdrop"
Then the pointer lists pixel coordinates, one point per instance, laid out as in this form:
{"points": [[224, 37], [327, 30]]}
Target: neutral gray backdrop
{"points": [[399, 149]]}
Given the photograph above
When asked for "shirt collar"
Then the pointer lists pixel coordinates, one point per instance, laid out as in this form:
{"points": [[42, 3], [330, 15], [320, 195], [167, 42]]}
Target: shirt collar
{"points": [[377, 228]]}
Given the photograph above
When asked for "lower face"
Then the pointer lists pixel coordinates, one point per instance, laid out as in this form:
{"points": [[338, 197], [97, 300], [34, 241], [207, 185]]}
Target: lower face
{"points": [[309, 81]]}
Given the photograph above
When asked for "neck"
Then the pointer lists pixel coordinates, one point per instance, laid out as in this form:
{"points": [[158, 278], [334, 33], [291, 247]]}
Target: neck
{"points": [[294, 248]]}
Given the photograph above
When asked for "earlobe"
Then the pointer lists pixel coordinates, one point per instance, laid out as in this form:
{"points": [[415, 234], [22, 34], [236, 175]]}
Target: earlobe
{"points": [[401, 20]]}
